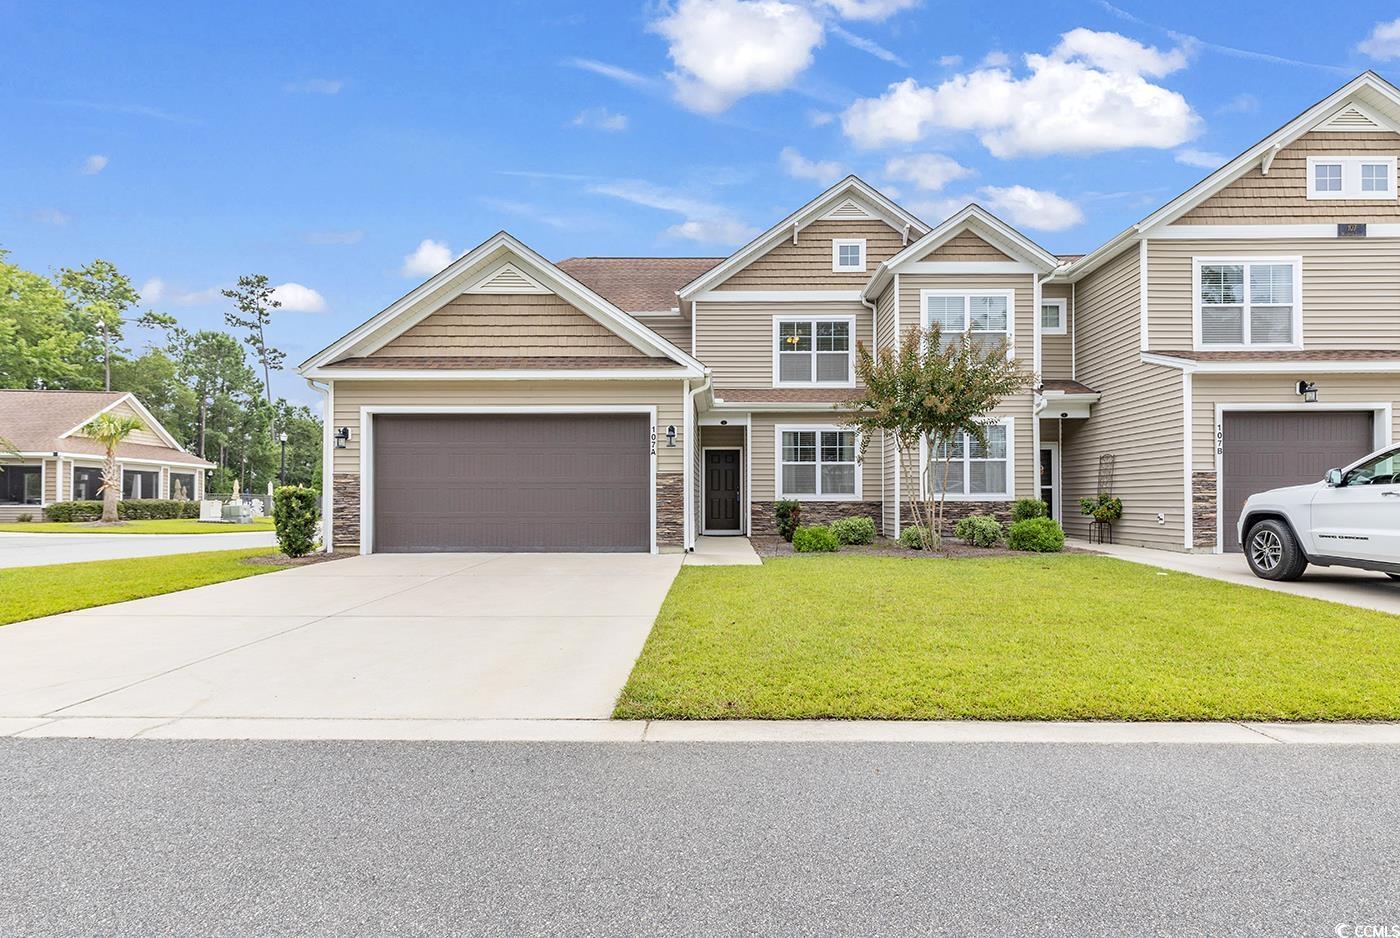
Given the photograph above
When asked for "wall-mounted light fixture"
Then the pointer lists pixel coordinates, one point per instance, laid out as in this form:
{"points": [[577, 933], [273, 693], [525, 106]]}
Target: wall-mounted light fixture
{"points": [[1308, 392], [342, 437], [671, 435]]}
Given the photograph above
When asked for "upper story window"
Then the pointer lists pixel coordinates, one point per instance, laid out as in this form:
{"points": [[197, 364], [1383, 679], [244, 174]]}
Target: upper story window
{"points": [[814, 350], [1053, 317], [848, 254], [817, 462], [1351, 177], [1248, 303], [985, 315]]}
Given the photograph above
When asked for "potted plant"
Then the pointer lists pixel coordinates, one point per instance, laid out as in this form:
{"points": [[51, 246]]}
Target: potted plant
{"points": [[1104, 509]]}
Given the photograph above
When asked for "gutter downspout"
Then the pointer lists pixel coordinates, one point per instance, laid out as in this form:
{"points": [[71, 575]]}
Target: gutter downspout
{"points": [[692, 418], [327, 460]]}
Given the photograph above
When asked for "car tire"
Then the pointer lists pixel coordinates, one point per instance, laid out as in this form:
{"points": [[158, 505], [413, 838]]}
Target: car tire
{"points": [[1394, 576], [1273, 552]]}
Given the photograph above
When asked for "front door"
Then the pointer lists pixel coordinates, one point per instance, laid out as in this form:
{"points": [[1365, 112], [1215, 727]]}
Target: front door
{"points": [[722, 491], [1049, 477]]}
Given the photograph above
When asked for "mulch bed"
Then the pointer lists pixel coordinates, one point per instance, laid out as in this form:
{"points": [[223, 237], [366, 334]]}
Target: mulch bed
{"points": [[888, 547], [282, 560]]}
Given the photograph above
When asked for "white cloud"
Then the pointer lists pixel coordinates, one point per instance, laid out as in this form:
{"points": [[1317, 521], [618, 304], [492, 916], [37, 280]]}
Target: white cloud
{"points": [[870, 9], [354, 236], [314, 86], [599, 118], [1383, 43], [713, 231], [1032, 208], [724, 50], [427, 259], [607, 70], [1242, 103], [94, 164], [949, 61], [930, 171], [703, 221], [934, 211], [156, 290], [1203, 159], [995, 59], [152, 291], [50, 216], [868, 46], [1087, 96], [296, 298], [820, 118], [799, 167]]}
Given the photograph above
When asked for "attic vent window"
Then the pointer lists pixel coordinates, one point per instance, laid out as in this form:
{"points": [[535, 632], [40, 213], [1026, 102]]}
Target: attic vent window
{"points": [[848, 210], [1351, 118], [848, 254], [1371, 178]]}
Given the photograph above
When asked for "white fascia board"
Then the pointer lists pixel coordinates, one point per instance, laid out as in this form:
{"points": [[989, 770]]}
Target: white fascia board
{"points": [[1320, 366], [151, 422], [968, 267], [775, 406], [1264, 232], [887, 210], [501, 374], [780, 296]]}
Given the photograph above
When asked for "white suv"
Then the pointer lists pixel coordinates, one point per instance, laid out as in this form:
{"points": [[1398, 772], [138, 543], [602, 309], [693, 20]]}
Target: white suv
{"points": [[1351, 519]]}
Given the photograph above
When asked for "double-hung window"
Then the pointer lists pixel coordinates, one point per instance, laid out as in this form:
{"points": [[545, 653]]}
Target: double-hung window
{"points": [[1053, 317], [965, 468], [984, 315], [817, 463], [1370, 178], [1248, 303], [819, 350]]}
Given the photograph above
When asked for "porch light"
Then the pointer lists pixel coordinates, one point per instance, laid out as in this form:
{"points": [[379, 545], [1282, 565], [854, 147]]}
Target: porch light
{"points": [[671, 435], [342, 437], [1308, 391]]}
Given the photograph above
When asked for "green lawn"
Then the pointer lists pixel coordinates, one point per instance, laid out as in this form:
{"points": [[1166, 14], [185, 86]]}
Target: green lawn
{"points": [[171, 526], [1043, 637], [31, 592]]}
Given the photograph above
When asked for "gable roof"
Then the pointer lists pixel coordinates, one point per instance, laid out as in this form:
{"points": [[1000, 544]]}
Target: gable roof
{"points": [[850, 198], [980, 222], [637, 284], [501, 263], [52, 421], [1368, 95]]}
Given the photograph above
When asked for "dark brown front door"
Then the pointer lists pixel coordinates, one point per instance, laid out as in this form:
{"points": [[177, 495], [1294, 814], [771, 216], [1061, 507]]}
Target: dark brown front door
{"points": [[512, 482], [1267, 450], [722, 490]]}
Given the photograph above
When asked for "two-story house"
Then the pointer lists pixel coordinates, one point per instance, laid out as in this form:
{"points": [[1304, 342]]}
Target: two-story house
{"points": [[510, 403]]}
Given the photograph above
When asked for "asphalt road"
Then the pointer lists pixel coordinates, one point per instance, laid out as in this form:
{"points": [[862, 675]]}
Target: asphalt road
{"points": [[150, 838], [33, 550]]}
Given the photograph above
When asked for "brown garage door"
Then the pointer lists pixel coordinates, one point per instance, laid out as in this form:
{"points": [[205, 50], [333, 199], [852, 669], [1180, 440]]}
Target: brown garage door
{"points": [[497, 482], [1266, 450]]}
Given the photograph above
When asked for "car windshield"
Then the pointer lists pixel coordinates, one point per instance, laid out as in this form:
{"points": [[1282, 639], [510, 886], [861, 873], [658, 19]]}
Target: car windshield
{"points": [[1381, 469]]}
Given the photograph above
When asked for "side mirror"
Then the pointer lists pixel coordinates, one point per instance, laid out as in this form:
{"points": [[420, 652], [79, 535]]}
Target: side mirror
{"points": [[1334, 477]]}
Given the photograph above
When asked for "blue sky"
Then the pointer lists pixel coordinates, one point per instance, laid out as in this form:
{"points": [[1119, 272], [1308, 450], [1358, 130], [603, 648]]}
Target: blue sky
{"points": [[347, 149]]}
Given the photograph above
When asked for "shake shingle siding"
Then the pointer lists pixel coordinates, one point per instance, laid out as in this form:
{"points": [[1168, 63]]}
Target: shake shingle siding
{"points": [[806, 265]]}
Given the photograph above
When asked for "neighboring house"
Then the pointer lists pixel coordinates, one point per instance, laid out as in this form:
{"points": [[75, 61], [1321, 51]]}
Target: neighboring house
{"points": [[636, 403], [54, 462]]}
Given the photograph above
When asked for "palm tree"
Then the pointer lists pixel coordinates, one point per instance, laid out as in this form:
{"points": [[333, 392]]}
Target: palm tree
{"points": [[110, 430]]}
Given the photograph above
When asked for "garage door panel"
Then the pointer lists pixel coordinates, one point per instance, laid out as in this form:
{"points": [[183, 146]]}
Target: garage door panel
{"points": [[512, 482], [1264, 450]]}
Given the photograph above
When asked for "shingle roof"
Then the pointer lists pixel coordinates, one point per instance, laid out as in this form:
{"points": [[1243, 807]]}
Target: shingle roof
{"points": [[1066, 387], [637, 284], [500, 362], [35, 421], [786, 395]]}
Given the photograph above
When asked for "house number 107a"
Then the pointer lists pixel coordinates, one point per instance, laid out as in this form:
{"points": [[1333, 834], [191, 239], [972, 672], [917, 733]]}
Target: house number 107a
{"points": [[653, 439]]}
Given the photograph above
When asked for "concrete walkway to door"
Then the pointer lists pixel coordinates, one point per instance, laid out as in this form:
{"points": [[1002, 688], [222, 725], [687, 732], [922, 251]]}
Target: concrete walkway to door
{"points": [[450, 636]]}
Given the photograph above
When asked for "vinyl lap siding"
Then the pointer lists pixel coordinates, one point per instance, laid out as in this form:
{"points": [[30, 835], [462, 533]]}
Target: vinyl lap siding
{"points": [[507, 325], [143, 436], [1351, 289], [735, 340], [1056, 351], [965, 247], [1139, 419], [806, 265], [674, 329], [1281, 197]]}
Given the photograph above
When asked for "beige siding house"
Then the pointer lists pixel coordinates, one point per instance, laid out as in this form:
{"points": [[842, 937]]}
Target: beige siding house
{"points": [[1243, 336]]}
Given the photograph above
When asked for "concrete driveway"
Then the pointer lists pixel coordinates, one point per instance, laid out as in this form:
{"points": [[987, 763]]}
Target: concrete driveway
{"points": [[34, 550], [424, 636]]}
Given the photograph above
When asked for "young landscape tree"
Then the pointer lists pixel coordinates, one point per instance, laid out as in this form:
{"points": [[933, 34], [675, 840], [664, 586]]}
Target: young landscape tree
{"points": [[110, 430], [932, 390], [253, 305]]}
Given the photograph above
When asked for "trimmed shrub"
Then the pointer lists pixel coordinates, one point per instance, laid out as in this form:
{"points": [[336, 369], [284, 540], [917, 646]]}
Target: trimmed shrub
{"points": [[911, 536], [1029, 508], [1042, 535], [295, 509], [979, 530], [136, 509], [25, 518], [814, 538], [787, 514], [858, 530]]}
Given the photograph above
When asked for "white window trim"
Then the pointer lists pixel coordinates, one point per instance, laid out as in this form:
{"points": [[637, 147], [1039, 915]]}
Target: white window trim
{"points": [[778, 431], [968, 294], [1201, 346], [837, 266], [1351, 178], [1009, 495], [1063, 304], [850, 381]]}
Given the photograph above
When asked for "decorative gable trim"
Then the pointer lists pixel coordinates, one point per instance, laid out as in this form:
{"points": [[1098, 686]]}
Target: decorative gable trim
{"points": [[146, 416], [507, 278], [852, 189], [849, 210]]}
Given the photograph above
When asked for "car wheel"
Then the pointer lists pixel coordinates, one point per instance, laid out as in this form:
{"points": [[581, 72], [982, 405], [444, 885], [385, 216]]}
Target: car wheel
{"points": [[1272, 551], [1394, 576]]}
